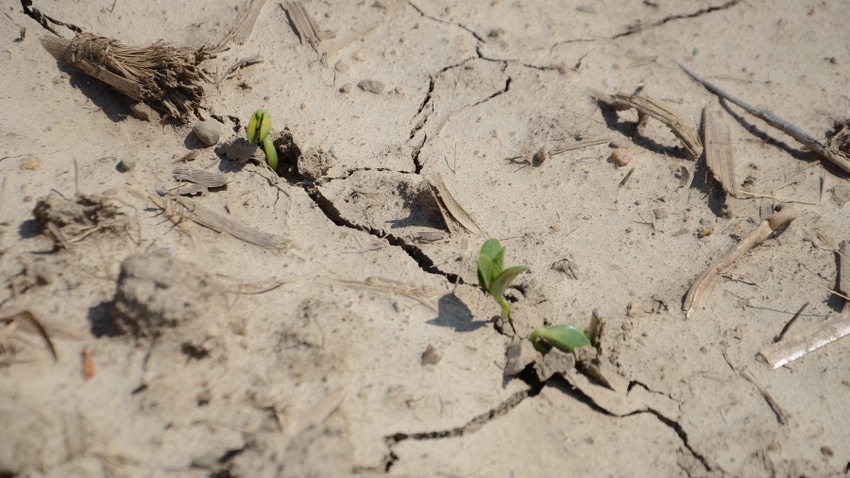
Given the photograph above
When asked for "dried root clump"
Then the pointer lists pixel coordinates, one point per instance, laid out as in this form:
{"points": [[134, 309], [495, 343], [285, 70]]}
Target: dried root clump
{"points": [[71, 220], [165, 77]]}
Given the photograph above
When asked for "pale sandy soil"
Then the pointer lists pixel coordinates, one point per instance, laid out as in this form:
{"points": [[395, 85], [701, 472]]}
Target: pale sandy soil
{"points": [[307, 360]]}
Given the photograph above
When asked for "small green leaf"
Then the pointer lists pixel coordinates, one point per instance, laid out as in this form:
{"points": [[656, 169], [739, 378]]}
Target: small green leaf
{"points": [[485, 271], [491, 261], [563, 337], [504, 279], [259, 126]]}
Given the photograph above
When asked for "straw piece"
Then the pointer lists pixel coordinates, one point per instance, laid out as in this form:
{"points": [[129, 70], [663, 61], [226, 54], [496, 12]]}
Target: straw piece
{"points": [[718, 151], [811, 339], [304, 24]]}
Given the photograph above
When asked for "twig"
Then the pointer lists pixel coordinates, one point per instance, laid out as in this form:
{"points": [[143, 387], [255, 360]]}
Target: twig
{"points": [[835, 157], [788, 324], [834, 292], [780, 412], [580, 145], [784, 214]]}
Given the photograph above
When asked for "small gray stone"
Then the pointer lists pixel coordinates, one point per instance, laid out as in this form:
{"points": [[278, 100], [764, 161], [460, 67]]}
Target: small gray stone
{"points": [[207, 131], [144, 112], [372, 86]]}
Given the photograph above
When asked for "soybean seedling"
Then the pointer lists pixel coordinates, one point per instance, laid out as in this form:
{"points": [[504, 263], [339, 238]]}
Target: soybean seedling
{"points": [[563, 337], [492, 275], [258, 132]]}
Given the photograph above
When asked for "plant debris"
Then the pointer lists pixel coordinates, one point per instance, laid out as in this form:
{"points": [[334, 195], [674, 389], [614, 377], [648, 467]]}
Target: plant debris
{"points": [[835, 156], [784, 214], [180, 209], [167, 78], [448, 204], [648, 106], [718, 151], [25, 320]]}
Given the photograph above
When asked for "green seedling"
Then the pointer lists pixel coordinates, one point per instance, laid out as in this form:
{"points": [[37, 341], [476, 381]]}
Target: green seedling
{"points": [[492, 275], [563, 337], [258, 132]]}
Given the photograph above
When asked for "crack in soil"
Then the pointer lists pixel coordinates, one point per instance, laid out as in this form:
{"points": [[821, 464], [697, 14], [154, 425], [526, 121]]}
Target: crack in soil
{"points": [[331, 212], [445, 22], [674, 425], [469, 427], [632, 29]]}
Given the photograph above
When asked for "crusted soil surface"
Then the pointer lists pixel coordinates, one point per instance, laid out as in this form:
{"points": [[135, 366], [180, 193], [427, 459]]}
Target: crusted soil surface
{"points": [[361, 344]]}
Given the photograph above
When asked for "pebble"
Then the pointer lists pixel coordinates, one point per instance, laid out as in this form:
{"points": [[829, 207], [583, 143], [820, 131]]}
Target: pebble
{"points": [[621, 157], [372, 86], [207, 131], [31, 164], [342, 66], [346, 88], [660, 213], [144, 112]]}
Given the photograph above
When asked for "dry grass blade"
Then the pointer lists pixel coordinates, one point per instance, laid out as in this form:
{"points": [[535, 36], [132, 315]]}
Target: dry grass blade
{"points": [[843, 269], [166, 78], [26, 320], [648, 106], [451, 206], [580, 145], [303, 23], [718, 151], [837, 157], [243, 26], [784, 214], [385, 286]]}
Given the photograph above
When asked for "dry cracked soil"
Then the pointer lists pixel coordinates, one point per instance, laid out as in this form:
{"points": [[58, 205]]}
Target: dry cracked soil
{"points": [[352, 338]]}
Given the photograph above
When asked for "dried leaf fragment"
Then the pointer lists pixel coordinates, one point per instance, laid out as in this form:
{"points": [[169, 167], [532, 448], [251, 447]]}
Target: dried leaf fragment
{"points": [[447, 201], [718, 151], [648, 106]]}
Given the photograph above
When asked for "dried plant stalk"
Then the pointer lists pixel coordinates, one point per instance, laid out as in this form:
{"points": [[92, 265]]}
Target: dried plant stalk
{"points": [[784, 214], [303, 23], [843, 269], [166, 78], [718, 151], [181, 209], [646, 105], [792, 348], [835, 156]]}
